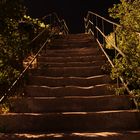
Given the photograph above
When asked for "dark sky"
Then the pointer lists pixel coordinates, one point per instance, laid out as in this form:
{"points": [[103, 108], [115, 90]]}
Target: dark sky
{"points": [[72, 11]]}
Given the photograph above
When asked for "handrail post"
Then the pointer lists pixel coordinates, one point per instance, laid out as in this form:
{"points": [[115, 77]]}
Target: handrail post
{"points": [[103, 30], [96, 25], [85, 24], [115, 43], [92, 26], [51, 21]]}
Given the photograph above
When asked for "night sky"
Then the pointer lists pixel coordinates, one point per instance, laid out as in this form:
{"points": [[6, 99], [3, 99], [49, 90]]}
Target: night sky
{"points": [[72, 11]]}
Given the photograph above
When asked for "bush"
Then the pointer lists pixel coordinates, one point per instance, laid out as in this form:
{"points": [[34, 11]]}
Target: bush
{"points": [[128, 41], [16, 32]]}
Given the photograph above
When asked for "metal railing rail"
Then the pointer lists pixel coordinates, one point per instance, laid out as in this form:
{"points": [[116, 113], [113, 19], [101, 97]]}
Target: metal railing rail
{"points": [[55, 21], [62, 28], [93, 27]]}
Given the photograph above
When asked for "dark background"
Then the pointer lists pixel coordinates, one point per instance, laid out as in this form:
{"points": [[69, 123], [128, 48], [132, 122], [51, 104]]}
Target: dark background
{"points": [[73, 11]]}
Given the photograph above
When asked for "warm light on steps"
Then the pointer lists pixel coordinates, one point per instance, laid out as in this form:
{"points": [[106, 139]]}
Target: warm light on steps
{"points": [[102, 89], [129, 135], [70, 103], [75, 111], [69, 81]]}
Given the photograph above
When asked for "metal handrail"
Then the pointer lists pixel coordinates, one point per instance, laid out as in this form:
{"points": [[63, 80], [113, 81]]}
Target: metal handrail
{"points": [[89, 24], [88, 21], [105, 19], [53, 18], [26, 68], [63, 23], [113, 45]]}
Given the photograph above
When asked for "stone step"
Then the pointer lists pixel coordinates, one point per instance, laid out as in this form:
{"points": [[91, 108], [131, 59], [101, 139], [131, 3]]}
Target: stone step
{"points": [[77, 37], [43, 91], [70, 64], [112, 135], [71, 44], [71, 39], [71, 52], [74, 38], [68, 71], [90, 58], [70, 104], [70, 121], [69, 81]]}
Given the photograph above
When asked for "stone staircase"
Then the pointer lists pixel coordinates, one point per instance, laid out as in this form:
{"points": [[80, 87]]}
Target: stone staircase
{"points": [[69, 97]]}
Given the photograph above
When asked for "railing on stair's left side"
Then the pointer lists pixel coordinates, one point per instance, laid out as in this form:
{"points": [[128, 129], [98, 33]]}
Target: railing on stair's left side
{"points": [[56, 23], [61, 28], [95, 25]]}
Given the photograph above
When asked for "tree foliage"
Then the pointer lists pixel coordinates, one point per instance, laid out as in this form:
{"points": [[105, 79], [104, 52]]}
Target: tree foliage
{"points": [[128, 40], [16, 31]]}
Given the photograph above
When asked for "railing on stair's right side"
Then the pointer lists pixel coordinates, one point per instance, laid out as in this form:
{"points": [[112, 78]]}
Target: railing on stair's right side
{"points": [[95, 25], [56, 25]]}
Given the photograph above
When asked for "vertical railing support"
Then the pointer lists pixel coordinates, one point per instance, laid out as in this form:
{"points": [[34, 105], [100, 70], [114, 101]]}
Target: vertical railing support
{"points": [[115, 43], [103, 30], [97, 36]]}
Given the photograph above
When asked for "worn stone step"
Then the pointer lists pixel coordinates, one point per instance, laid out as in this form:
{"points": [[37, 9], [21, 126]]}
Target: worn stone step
{"points": [[70, 64], [66, 44], [79, 35], [112, 135], [77, 38], [71, 52], [72, 59], [70, 104], [70, 121], [71, 41], [74, 38], [69, 81], [71, 44], [68, 71], [43, 91]]}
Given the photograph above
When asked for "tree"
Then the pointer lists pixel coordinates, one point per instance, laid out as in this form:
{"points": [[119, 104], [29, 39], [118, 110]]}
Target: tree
{"points": [[16, 31], [128, 40]]}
